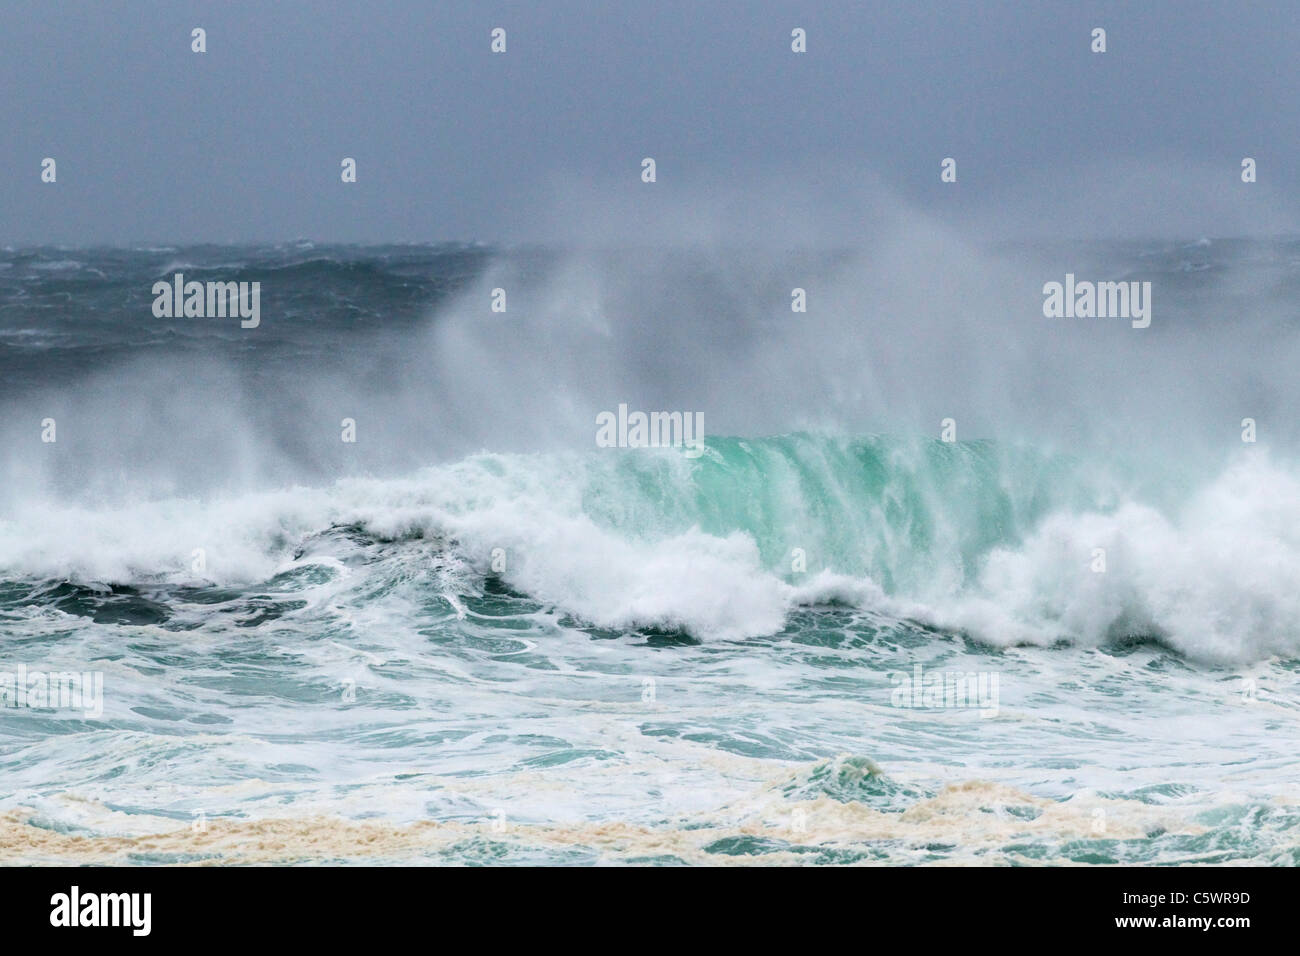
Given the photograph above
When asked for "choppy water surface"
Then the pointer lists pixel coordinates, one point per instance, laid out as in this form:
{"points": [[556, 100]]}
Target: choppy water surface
{"points": [[578, 655]]}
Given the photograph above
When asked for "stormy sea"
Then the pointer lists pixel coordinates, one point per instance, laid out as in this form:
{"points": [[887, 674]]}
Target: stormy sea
{"points": [[940, 579]]}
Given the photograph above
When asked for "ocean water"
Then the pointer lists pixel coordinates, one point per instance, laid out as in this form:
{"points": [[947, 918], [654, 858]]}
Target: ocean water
{"points": [[472, 636]]}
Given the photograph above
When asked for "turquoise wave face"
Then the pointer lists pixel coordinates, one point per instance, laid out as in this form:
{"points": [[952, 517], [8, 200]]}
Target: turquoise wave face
{"points": [[903, 512]]}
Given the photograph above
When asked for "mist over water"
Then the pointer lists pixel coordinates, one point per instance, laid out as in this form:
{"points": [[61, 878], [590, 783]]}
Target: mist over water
{"points": [[1097, 427], [911, 325], [475, 552]]}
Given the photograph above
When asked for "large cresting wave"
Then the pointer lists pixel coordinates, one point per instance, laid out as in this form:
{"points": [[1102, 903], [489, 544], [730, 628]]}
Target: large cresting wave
{"points": [[1005, 544]]}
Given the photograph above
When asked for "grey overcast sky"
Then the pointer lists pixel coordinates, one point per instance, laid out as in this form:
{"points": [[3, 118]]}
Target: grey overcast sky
{"points": [[244, 142]]}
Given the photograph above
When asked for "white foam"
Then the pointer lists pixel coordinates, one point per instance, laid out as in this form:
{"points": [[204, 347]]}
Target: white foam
{"points": [[1218, 580]]}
